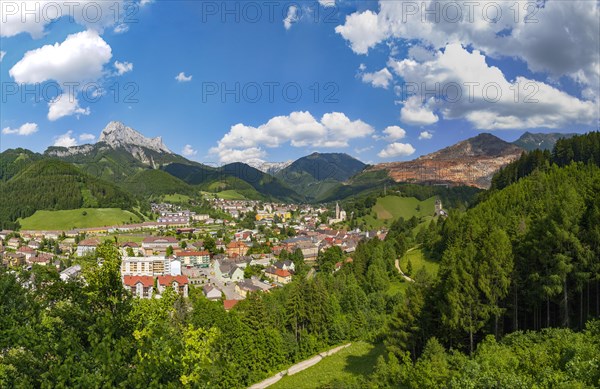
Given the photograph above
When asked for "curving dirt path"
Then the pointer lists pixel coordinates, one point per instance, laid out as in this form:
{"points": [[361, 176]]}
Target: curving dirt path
{"points": [[397, 264], [298, 367], [407, 278]]}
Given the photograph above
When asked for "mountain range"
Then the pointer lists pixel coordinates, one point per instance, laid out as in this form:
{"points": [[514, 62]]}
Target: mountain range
{"points": [[126, 163]]}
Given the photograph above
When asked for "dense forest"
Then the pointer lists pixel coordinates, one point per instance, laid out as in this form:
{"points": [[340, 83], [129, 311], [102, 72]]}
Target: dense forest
{"points": [[579, 148], [514, 304]]}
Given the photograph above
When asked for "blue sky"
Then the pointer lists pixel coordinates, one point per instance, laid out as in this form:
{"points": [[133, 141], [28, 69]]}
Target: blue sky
{"points": [[356, 64]]}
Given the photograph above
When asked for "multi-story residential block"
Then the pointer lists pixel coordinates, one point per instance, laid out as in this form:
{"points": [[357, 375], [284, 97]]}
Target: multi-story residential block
{"points": [[194, 258], [145, 266]]}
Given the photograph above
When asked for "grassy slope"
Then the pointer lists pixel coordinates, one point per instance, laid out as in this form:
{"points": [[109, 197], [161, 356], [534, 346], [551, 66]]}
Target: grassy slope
{"points": [[58, 220], [176, 198], [356, 360], [393, 207], [418, 261], [231, 195]]}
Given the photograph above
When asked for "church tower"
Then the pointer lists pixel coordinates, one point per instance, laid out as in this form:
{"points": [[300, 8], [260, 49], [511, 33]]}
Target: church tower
{"points": [[337, 211]]}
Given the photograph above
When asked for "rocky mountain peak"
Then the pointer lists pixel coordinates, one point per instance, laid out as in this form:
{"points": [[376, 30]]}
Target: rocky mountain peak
{"points": [[470, 162], [118, 135], [483, 145]]}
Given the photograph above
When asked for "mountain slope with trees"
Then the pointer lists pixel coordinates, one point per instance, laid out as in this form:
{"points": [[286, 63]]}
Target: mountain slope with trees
{"points": [[578, 148], [316, 174], [238, 176], [55, 185], [12, 161]]}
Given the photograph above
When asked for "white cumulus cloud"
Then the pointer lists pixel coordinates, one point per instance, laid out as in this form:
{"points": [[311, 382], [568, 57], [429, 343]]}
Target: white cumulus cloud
{"points": [[292, 17], [362, 30], [65, 140], [397, 150], [188, 151], [181, 77], [425, 135], [482, 95], [75, 62], [81, 57], [24, 130], [251, 154], [393, 133], [299, 129], [2, 54], [65, 105], [327, 3], [533, 32], [379, 79], [416, 112], [123, 67]]}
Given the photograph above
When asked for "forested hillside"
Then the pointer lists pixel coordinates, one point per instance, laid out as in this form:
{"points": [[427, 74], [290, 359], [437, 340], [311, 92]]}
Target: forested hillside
{"points": [[12, 161], [55, 185], [249, 181], [579, 148], [155, 183]]}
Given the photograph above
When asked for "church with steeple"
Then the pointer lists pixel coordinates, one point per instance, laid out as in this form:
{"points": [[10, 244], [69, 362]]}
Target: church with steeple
{"points": [[340, 215]]}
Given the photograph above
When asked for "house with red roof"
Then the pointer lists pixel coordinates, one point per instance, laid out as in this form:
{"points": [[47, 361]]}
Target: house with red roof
{"points": [[278, 275], [42, 259], [229, 304], [179, 283], [27, 251], [139, 286]]}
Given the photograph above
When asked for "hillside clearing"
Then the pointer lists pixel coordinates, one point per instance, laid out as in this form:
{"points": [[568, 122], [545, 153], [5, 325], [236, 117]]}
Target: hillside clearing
{"points": [[390, 208], [75, 218], [418, 260], [231, 195], [176, 198]]}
